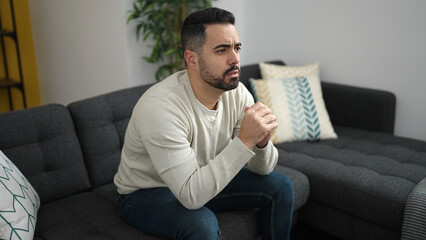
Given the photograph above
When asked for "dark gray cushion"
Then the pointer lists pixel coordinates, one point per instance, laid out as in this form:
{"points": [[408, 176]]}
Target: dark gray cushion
{"points": [[300, 184], [233, 225], [356, 107], [363, 173], [42, 143], [89, 216], [101, 123], [84, 216]]}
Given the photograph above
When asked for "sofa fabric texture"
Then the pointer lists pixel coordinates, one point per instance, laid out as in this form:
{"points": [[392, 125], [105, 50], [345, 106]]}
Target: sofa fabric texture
{"points": [[364, 174], [44, 146], [103, 120], [366, 184], [415, 212]]}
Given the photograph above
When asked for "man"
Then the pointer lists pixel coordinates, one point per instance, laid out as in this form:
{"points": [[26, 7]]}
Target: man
{"points": [[196, 144]]}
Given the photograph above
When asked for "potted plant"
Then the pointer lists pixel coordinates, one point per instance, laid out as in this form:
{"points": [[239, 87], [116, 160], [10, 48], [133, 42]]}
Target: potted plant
{"points": [[161, 21]]}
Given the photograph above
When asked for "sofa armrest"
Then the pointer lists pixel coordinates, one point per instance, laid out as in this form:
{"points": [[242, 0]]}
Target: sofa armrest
{"points": [[357, 107], [414, 225]]}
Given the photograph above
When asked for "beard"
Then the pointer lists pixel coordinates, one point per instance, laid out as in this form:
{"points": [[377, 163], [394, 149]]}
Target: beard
{"points": [[217, 81]]}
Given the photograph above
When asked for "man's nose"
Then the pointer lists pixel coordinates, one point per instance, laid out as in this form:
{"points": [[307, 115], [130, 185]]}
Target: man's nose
{"points": [[234, 58]]}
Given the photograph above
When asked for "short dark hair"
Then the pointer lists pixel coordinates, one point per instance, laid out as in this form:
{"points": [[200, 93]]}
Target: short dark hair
{"points": [[193, 32]]}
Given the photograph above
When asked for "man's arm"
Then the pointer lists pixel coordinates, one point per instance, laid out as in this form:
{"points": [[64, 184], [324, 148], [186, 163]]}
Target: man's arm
{"points": [[165, 135], [255, 131], [266, 155]]}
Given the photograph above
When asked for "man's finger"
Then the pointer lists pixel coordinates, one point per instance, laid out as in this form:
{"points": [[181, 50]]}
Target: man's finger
{"points": [[256, 106], [269, 118]]}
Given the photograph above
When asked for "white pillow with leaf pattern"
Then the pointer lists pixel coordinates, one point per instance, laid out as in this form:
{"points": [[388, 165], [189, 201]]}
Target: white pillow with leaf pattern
{"points": [[19, 202], [294, 95]]}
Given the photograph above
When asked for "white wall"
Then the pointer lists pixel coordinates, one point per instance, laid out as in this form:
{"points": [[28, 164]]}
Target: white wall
{"points": [[371, 43], [85, 48], [140, 71]]}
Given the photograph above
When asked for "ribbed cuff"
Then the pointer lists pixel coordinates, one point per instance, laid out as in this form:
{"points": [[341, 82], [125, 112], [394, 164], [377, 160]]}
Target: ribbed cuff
{"points": [[237, 154], [263, 151]]}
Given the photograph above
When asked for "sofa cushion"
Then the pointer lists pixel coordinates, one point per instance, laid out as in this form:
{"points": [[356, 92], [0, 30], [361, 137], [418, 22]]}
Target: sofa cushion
{"points": [[101, 123], [238, 224], [83, 216], [42, 143], [253, 71], [89, 216], [294, 94], [296, 106], [358, 173], [300, 184], [19, 202]]}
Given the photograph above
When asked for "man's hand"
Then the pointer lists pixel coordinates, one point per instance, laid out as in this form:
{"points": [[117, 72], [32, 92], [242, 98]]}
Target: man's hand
{"points": [[257, 125]]}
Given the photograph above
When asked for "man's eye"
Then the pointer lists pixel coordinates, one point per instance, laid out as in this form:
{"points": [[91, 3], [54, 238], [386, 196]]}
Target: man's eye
{"points": [[237, 49], [221, 51]]}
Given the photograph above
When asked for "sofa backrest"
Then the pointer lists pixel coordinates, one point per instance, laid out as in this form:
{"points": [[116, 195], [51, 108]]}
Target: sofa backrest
{"points": [[42, 143], [101, 124], [348, 106], [253, 71]]}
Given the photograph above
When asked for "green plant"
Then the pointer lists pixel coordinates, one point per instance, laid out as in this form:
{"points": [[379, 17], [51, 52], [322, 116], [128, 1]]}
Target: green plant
{"points": [[161, 21]]}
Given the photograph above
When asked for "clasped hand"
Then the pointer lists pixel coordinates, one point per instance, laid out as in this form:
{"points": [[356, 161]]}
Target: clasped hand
{"points": [[257, 125]]}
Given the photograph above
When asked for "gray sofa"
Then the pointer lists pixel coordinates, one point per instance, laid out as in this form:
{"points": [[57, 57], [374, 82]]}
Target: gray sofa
{"points": [[366, 184]]}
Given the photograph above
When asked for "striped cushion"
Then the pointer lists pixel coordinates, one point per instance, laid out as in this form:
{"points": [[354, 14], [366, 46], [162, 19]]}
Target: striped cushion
{"points": [[295, 97], [414, 226]]}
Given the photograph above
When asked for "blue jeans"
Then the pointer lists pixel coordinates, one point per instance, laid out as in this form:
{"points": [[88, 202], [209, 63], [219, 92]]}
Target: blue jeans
{"points": [[158, 212]]}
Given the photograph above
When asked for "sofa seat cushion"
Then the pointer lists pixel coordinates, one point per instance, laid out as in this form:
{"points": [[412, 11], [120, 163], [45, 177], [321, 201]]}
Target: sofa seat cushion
{"points": [[83, 216], [300, 185], [363, 173], [233, 225], [239, 224]]}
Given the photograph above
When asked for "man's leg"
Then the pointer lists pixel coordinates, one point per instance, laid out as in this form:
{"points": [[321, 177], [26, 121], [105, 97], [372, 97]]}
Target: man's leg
{"points": [[272, 194], [158, 212]]}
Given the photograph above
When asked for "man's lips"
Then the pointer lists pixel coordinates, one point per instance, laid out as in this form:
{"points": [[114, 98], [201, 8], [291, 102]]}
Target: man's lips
{"points": [[234, 73]]}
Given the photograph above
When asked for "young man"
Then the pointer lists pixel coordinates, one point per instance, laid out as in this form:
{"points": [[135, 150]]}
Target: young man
{"points": [[197, 144]]}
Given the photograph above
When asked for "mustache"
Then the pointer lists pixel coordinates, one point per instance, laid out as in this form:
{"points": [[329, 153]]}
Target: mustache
{"points": [[233, 68]]}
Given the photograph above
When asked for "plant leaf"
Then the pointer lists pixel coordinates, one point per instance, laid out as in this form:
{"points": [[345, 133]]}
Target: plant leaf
{"points": [[161, 20], [170, 51]]}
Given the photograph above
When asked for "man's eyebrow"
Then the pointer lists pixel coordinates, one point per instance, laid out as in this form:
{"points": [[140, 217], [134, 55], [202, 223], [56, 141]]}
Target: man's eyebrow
{"points": [[226, 45]]}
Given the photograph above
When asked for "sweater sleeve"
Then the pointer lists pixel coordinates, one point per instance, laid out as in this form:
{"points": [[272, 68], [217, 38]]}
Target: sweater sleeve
{"points": [[266, 158], [164, 130]]}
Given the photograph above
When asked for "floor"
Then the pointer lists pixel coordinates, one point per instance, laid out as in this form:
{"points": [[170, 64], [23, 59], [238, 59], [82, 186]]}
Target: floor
{"points": [[304, 232]]}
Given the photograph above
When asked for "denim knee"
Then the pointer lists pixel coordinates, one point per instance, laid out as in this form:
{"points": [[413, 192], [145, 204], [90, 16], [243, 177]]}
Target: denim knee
{"points": [[202, 225], [283, 189]]}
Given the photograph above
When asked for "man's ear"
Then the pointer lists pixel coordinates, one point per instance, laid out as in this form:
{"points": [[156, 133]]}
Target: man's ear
{"points": [[191, 59]]}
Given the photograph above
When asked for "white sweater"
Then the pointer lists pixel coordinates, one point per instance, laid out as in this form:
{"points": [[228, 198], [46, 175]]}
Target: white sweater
{"points": [[170, 142]]}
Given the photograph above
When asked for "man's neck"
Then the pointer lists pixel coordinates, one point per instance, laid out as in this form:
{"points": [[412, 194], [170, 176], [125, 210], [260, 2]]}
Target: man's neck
{"points": [[205, 94]]}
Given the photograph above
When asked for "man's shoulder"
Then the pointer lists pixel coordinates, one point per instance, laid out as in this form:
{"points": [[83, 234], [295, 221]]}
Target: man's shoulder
{"points": [[164, 96], [167, 87]]}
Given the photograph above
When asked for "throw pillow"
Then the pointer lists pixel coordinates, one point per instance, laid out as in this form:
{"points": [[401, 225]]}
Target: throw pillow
{"points": [[19, 202], [300, 112]]}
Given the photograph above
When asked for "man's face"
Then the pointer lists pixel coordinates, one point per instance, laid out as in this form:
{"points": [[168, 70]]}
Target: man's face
{"points": [[219, 62]]}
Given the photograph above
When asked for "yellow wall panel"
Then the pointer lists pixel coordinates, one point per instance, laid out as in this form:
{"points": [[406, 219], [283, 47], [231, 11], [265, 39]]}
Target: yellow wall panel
{"points": [[27, 55]]}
